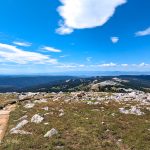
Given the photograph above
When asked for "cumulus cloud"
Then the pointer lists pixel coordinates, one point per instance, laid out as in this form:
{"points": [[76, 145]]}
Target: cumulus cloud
{"points": [[9, 53], [81, 14], [143, 33], [108, 65], [25, 44], [51, 49], [114, 39]]}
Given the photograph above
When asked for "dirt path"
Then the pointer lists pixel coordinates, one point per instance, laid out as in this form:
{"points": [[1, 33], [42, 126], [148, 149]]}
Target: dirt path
{"points": [[4, 117]]}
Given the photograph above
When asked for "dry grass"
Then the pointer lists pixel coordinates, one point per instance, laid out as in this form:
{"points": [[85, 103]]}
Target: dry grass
{"points": [[83, 127], [4, 98]]}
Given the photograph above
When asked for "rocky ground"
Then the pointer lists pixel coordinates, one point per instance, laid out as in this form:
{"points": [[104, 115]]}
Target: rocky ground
{"points": [[76, 121]]}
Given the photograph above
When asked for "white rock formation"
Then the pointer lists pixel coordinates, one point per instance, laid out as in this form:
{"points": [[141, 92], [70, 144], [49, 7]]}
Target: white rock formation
{"points": [[37, 118]]}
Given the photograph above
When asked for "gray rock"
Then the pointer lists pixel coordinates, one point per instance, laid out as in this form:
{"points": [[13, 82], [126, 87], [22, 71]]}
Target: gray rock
{"points": [[133, 110], [29, 105], [51, 133], [37, 118], [45, 108], [41, 101], [23, 117], [136, 111], [61, 112], [59, 147], [19, 125], [22, 132]]}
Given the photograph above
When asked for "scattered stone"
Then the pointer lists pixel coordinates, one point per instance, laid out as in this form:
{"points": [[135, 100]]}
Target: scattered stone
{"points": [[46, 114], [22, 132], [133, 110], [59, 147], [29, 105], [22, 118], [148, 108], [61, 112], [107, 130], [21, 97], [60, 92], [113, 114], [51, 113], [124, 111], [136, 111], [51, 133], [46, 123], [19, 125], [80, 95], [95, 110], [37, 118], [103, 122], [45, 108], [41, 101], [119, 140]]}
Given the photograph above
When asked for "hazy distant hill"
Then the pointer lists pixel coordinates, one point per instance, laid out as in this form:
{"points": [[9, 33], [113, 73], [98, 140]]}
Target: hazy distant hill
{"points": [[21, 83]]}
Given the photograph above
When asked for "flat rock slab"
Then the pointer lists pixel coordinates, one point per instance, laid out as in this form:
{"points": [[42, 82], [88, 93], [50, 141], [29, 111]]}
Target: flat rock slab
{"points": [[4, 117]]}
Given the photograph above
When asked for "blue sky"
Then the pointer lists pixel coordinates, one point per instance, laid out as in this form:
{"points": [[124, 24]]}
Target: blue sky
{"points": [[39, 36]]}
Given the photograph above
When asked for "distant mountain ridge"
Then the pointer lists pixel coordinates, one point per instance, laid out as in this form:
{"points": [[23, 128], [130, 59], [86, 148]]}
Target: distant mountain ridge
{"points": [[71, 83], [82, 73]]}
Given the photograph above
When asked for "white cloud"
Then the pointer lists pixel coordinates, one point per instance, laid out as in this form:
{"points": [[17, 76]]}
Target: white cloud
{"points": [[143, 65], [66, 66], [51, 49], [81, 14], [143, 33], [64, 30], [70, 66], [82, 65], [108, 65], [9, 53], [25, 44], [114, 39], [124, 65]]}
